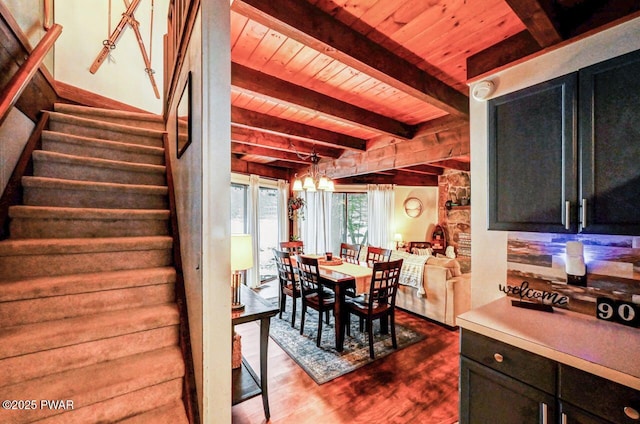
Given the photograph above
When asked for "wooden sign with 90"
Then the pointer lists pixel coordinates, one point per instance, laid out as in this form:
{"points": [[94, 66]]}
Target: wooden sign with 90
{"points": [[626, 313]]}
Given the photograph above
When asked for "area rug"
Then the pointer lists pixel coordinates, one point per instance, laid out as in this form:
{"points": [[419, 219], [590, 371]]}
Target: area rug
{"points": [[325, 363]]}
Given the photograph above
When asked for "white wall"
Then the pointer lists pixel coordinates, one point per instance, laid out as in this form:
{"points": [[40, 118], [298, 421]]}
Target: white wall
{"points": [[416, 229], [29, 16], [85, 26], [202, 182], [216, 193], [489, 248]]}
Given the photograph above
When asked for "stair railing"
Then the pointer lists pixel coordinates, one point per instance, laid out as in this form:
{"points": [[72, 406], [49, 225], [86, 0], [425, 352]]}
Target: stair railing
{"points": [[11, 93]]}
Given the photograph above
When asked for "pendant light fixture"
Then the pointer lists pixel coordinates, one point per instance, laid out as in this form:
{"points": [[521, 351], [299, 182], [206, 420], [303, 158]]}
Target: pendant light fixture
{"points": [[313, 180]]}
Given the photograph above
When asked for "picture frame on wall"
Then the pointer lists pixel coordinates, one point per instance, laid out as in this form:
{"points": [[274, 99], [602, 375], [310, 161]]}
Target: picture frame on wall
{"points": [[183, 118]]}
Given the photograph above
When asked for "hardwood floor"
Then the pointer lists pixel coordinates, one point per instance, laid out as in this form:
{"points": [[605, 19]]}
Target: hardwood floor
{"points": [[415, 384]]}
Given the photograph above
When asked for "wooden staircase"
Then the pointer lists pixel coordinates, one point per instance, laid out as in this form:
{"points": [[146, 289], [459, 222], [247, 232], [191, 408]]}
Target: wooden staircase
{"points": [[88, 311]]}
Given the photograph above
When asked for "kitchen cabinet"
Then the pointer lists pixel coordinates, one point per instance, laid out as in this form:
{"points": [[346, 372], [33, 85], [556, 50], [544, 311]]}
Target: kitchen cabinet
{"points": [[563, 153], [609, 117], [500, 383]]}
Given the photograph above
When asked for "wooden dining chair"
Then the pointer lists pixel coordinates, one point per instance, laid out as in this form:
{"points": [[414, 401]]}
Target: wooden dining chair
{"points": [[314, 295], [350, 252], [293, 247], [377, 254], [380, 302], [289, 285]]}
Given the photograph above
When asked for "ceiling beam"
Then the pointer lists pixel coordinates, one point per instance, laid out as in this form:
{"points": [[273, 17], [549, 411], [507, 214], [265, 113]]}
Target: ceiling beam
{"points": [[453, 164], [263, 122], [243, 167], [419, 151], [262, 85], [311, 26], [507, 51], [537, 20], [423, 169], [405, 180], [577, 21], [245, 149], [272, 141]]}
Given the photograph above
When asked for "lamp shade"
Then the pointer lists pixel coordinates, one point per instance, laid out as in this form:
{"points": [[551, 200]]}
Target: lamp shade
{"points": [[397, 237], [241, 252], [309, 184], [297, 185]]}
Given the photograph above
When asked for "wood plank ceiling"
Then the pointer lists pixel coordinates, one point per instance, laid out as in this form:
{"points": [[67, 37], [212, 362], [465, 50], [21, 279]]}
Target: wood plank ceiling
{"points": [[378, 88]]}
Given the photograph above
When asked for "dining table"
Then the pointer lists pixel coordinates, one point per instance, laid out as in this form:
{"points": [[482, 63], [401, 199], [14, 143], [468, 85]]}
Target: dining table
{"points": [[339, 278]]}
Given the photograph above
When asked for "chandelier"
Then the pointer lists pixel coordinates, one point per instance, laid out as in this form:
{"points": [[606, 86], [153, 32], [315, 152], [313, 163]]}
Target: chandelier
{"points": [[313, 180]]}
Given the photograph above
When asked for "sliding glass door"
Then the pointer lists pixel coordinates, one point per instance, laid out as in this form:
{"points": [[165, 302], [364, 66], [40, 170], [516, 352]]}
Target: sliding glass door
{"points": [[349, 219], [267, 224]]}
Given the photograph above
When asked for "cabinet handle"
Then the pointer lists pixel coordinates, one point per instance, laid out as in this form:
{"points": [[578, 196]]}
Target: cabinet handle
{"points": [[543, 413], [567, 215], [498, 357], [564, 418], [631, 413], [584, 213]]}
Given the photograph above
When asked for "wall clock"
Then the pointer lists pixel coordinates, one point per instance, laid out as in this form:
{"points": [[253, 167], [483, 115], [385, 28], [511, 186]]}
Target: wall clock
{"points": [[412, 207]]}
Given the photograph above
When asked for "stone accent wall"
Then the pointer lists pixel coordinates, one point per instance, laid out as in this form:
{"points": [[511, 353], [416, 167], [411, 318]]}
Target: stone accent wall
{"points": [[455, 186]]}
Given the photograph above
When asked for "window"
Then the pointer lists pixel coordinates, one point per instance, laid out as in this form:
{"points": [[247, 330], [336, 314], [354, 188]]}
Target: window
{"points": [[267, 224], [268, 230], [349, 219], [239, 208]]}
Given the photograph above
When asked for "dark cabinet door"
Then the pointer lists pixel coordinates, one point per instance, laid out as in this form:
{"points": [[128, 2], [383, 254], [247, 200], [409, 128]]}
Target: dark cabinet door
{"points": [[569, 414], [532, 158], [487, 396], [610, 145]]}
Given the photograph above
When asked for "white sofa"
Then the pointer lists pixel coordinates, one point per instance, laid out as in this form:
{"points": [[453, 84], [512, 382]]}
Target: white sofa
{"points": [[448, 292]]}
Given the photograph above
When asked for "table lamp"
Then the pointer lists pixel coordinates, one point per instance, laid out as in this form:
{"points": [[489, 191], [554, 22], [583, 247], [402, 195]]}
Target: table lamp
{"points": [[398, 239], [241, 260]]}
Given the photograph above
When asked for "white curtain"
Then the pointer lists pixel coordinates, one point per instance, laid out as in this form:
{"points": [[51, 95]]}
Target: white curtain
{"points": [[316, 227], [283, 210], [253, 274], [381, 214]]}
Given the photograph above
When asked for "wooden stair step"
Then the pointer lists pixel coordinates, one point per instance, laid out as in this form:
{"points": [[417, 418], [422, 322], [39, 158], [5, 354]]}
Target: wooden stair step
{"points": [[28, 258], [82, 168], [30, 338], [121, 407], [138, 119], [84, 283], [89, 385], [98, 148], [51, 361], [29, 311], [61, 222], [40, 191], [61, 122], [173, 413]]}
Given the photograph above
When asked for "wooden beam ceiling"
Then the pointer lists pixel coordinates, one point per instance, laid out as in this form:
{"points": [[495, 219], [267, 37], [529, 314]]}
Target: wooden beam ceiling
{"points": [[309, 25], [398, 179], [537, 20], [549, 24], [262, 122], [268, 171], [419, 151], [245, 149], [266, 86], [272, 141]]}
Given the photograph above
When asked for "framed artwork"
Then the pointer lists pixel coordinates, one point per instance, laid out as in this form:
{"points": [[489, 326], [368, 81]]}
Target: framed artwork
{"points": [[183, 118]]}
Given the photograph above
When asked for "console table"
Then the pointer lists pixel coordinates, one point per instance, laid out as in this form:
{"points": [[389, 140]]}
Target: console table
{"points": [[245, 383]]}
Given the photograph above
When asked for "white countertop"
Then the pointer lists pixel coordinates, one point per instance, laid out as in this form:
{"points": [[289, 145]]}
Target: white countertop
{"points": [[599, 347]]}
